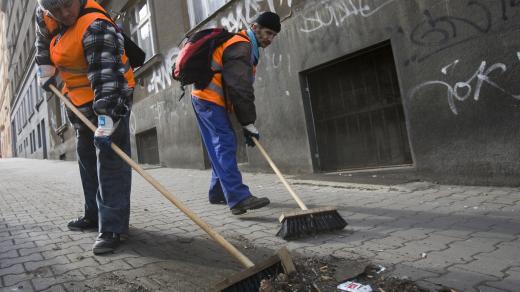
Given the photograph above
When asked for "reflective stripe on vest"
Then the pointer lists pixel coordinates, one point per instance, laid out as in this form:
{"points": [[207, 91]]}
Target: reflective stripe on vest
{"points": [[214, 92], [68, 55]]}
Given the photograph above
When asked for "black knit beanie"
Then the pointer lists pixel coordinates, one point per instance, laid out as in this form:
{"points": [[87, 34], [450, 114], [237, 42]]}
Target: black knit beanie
{"points": [[270, 20]]}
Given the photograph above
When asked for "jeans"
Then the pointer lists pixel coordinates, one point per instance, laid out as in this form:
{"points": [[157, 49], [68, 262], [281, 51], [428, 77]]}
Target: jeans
{"points": [[106, 179]]}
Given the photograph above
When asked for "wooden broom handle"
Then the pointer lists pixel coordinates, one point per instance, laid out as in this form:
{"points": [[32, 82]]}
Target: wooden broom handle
{"points": [[279, 174], [216, 236]]}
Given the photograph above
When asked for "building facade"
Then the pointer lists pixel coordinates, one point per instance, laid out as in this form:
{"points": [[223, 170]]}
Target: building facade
{"points": [[28, 102], [5, 101], [425, 84], [347, 84]]}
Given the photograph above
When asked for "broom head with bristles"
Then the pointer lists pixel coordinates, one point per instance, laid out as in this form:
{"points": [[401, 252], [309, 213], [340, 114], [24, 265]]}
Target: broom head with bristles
{"points": [[249, 280], [303, 223]]}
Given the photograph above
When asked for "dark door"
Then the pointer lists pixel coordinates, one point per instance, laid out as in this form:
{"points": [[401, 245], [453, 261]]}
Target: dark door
{"points": [[357, 112], [147, 147]]}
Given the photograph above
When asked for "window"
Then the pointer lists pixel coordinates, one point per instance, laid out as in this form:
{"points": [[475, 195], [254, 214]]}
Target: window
{"points": [[30, 99], [39, 137], [24, 111], [63, 112], [24, 54], [201, 9], [141, 27], [19, 120], [33, 140], [38, 91]]}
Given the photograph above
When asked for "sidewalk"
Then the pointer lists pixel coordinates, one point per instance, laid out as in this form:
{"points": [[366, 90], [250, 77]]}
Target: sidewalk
{"points": [[467, 238]]}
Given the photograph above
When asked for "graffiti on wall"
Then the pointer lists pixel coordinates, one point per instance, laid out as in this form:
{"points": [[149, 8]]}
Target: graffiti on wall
{"points": [[243, 14], [336, 12], [470, 88], [437, 32], [246, 11], [160, 78], [277, 61]]}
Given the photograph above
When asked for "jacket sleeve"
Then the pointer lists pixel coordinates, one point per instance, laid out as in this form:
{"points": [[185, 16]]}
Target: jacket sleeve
{"points": [[237, 75], [43, 39], [103, 46]]}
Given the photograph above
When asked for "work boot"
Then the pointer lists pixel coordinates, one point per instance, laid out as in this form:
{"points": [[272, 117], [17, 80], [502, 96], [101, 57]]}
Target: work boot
{"points": [[250, 203], [106, 242], [82, 223], [218, 202]]}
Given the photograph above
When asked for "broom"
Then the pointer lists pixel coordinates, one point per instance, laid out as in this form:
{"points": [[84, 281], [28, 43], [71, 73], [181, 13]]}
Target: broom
{"points": [[305, 222], [247, 280]]}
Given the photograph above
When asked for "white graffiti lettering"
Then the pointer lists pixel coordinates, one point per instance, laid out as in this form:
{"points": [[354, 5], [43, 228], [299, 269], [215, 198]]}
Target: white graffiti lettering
{"points": [[246, 12], [337, 12], [277, 62], [160, 78], [132, 123], [158, 109], [462, 90]]}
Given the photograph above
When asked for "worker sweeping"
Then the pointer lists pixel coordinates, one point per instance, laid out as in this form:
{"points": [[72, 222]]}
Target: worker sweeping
{"points": [[230, 88], [86, 50]]}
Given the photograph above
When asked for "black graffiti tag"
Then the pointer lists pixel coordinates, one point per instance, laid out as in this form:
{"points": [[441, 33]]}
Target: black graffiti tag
{"points": [[439, 31]]}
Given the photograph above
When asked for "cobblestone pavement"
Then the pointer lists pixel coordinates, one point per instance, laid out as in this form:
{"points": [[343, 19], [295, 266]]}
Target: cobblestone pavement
{"points": [[463, 237]]}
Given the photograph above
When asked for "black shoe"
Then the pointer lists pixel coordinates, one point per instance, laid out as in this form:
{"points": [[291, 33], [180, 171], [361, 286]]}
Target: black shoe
{"points": [[106, 242], [82, 223], [218, 202], [249, 204]]}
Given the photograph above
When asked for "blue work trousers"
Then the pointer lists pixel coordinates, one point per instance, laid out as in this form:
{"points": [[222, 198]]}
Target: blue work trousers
{"points": [[106, 179], [220, 141]]}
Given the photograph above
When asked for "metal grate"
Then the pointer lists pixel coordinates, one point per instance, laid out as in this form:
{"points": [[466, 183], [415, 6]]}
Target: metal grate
{"points": [[357, 112]]}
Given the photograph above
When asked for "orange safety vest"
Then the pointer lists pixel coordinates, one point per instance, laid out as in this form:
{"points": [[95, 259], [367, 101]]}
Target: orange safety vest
{"points": [[68, 55], [214, 92]]}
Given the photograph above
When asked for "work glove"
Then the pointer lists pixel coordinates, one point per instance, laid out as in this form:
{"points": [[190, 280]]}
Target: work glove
{"points": [[249, 132], [102, 136], [115, 108], [47, 76]]}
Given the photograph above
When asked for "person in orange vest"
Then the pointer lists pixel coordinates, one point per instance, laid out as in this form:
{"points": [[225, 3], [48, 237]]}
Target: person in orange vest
{"points": [[77, 41], [232, 90]]}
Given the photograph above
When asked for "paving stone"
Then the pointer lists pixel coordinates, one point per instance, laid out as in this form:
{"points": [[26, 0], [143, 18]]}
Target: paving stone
{"points": [[461, 280], [13, 279], [36, 249], [483, 288], [139, 262], [57, 250], [9, 245], [465, 246], [35, 257], [511, 282], [59, 260], [75, 263], [24, 286], [411, 271], [48, 284], [9, 254], [12, 270]]}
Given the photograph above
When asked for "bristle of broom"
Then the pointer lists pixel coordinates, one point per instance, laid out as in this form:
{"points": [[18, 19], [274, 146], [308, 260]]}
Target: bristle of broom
{"points": [[252, 283], [250, 279], [310, 222]]}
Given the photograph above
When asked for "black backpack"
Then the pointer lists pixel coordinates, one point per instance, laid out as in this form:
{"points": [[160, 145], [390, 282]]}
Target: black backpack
{"points": [[193, 64], [135, 54]]}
